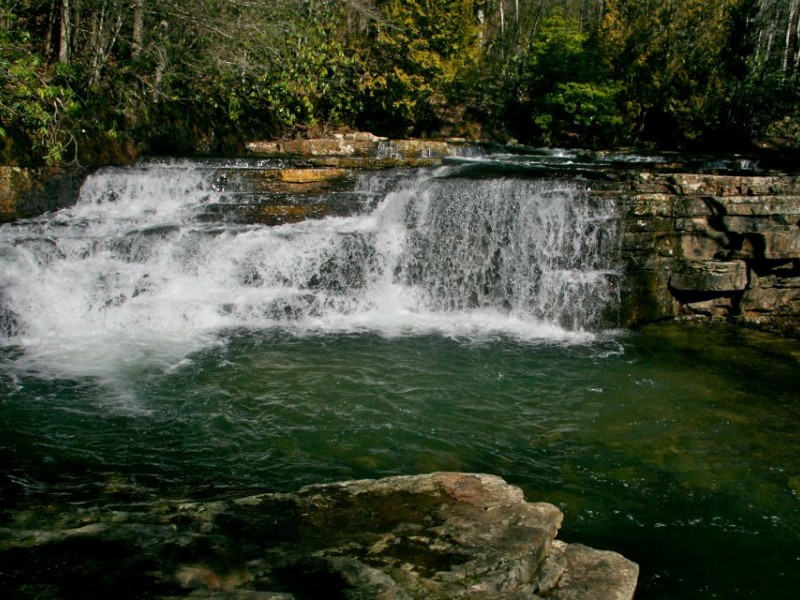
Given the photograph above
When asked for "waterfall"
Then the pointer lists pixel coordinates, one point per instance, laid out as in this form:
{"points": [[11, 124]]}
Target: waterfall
{"points": [[139, 273]]}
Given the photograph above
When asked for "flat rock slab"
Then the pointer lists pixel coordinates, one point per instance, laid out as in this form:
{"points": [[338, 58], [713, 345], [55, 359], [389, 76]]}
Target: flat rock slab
{"points": [[442, 535]]}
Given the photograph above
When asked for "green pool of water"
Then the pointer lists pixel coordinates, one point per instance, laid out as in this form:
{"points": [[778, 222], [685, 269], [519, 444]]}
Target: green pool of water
{"points": [[678, 446]]}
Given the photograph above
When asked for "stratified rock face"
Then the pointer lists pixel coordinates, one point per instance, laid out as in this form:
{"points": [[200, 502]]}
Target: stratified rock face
{"points": [[360, 151], [437, 536], [712, 246]]}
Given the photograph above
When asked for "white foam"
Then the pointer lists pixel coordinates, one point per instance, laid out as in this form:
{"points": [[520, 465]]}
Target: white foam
{"points": [[129, 279]]}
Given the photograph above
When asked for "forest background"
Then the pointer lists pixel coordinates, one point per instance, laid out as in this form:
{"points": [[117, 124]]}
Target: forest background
{"points": [[103, 81]]}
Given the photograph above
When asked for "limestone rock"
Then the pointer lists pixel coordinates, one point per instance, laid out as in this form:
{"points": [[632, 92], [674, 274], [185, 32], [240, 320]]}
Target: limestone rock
{"points": [[780, 245], [584, 571], [13, 182], [278, 214], [309, 175], [315, 147], [726, 246], [31, 192], [709, 276], [360, 150], [446, 535], [359, 136], [427, 537], [419, 148], [373, 163]]}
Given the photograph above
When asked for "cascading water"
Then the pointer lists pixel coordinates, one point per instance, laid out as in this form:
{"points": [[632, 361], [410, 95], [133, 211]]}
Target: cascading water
{"points": [[536, 251], [137, 273]]}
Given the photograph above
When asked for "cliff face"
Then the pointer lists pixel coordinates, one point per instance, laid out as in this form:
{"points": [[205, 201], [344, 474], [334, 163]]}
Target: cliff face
{"points": [[711, 247]]}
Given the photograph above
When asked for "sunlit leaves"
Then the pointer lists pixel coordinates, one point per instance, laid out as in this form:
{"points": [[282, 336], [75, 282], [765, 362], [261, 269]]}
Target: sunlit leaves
{"points": [[188, 74], [564, 95], [418, 59], [36, 108], [672, 58]]}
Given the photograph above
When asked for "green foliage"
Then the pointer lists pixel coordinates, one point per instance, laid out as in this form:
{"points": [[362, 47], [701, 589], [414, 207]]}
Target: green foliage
{"points": [[673, 60], [587, 111], [37, 106], [557, 53], [785, 131], [310, 83], [203, 75], [417, 62], [564, 95]]}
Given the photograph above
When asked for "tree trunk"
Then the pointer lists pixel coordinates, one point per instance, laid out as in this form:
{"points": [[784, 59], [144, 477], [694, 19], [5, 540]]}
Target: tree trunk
{"points": [[138, 24], [793, 9], [64, 34], [50, 32]]}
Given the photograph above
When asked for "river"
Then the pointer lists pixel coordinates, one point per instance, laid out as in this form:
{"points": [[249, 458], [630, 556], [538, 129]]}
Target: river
{"points": [[158, 342]]}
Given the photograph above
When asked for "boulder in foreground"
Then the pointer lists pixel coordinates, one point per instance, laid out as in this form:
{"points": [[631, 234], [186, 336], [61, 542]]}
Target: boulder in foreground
{"points": [[442, 535]]}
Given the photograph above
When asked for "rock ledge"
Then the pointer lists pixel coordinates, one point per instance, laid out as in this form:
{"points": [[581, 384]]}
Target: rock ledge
{"points": [[436, 536]]}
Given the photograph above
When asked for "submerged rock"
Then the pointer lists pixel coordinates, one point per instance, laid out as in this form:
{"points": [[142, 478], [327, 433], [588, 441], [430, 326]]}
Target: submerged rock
{"points": [[443, 535]]}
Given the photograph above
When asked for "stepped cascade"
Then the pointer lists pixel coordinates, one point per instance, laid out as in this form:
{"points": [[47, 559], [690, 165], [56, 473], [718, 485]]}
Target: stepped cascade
{"points": [[150, 261]]}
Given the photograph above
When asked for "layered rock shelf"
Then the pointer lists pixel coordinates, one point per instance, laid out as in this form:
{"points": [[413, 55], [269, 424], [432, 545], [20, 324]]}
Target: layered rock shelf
{"points": [[711, 247], [427, 537], [361, 150]]}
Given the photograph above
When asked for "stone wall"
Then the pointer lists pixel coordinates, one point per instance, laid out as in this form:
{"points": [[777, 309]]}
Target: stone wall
{"points": [[711, 247]]}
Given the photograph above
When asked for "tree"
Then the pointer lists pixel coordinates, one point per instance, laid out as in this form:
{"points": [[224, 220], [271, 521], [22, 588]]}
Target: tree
{"points": [[416, 64], [38, 108], [671, 59], [562, 94], [770, 93], [109, 79]]}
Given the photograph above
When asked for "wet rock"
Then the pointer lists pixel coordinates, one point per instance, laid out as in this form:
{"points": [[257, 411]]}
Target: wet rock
{"points": [[299, 179], [364, 145], [309, 175], [709, 276], [31, 192], [374, 163], [577, 572], [361, 150], [719, 246], [278, 214], [443, 535], [415, 148]]}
